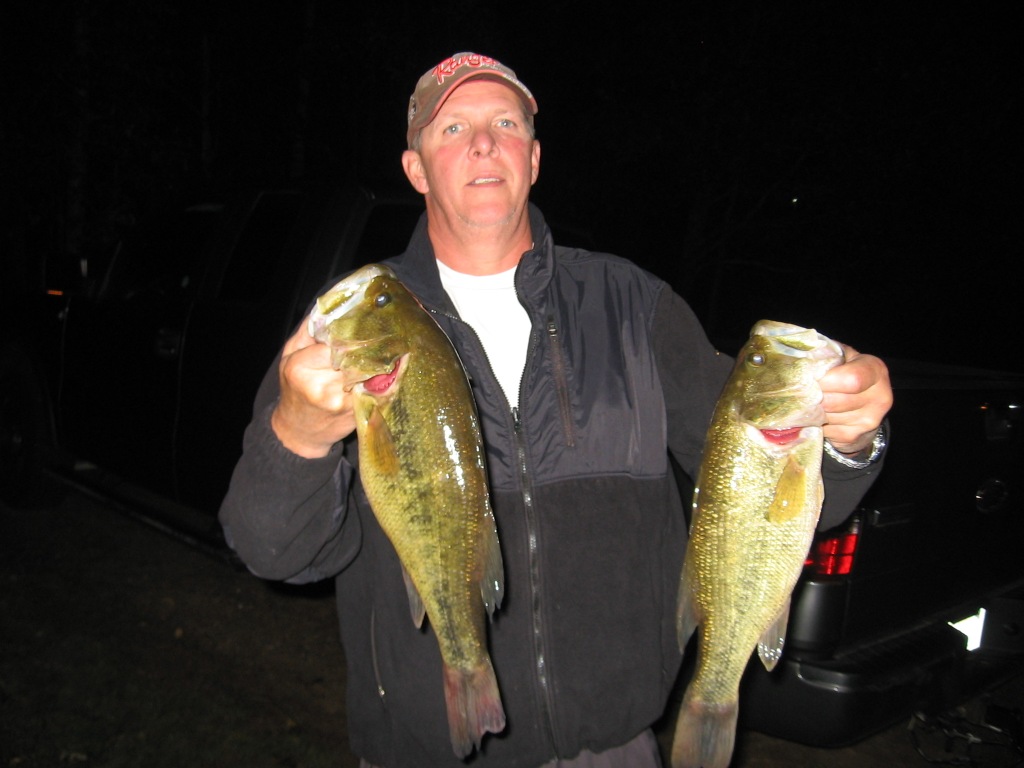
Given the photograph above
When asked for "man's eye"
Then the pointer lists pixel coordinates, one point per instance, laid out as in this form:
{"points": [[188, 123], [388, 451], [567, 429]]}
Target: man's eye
{"points": [[453, 129], [506, 123]]}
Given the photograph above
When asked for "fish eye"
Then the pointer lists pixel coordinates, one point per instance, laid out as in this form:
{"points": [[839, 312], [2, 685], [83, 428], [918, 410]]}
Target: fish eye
{"points": [[382, 300], [756, 358]]}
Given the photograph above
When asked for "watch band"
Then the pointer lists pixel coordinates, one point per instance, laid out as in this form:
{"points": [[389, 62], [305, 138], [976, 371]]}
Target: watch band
{"points": [[877, 446]]}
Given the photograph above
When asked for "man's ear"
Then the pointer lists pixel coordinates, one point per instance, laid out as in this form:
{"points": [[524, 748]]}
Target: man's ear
{"points": [[412, 163]]}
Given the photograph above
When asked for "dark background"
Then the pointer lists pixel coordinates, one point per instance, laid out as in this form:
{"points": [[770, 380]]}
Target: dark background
{"points": [[854, 165]]}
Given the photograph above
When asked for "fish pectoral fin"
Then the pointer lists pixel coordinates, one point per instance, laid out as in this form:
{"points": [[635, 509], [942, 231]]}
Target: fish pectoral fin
{"points": [[791, 492], [381, 447], [416, 607], [769, 646]]}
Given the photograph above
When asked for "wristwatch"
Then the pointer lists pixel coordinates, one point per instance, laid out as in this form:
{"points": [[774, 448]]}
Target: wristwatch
{"points": [[877, 446]]}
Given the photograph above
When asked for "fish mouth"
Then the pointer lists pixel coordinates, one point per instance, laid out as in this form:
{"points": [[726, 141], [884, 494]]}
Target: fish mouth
{"points": [[797, 341], [780, 414], [342, 298]]}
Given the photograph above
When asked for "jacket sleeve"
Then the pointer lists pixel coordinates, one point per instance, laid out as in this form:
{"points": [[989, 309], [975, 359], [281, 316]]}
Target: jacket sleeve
{"points": [[285, 515], [845, 487], [693, 373]]}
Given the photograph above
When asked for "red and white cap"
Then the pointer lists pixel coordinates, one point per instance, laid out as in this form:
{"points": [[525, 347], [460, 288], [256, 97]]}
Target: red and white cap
{"points": [[438, 82]]}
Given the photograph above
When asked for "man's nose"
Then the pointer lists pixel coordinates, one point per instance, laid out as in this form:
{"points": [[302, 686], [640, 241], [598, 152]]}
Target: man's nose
{"points": [[483, 142]]}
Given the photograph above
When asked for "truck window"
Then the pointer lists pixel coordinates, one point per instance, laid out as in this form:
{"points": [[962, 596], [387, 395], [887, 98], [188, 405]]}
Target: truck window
{"points": [[163, 260], [252, 269]]}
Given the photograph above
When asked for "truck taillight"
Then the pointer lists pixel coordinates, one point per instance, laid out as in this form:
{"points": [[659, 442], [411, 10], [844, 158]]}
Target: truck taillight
{"points": [[833, 556]]}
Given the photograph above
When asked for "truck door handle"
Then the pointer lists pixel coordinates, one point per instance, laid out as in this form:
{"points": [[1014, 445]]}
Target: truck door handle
{"points": [[168, 342]]}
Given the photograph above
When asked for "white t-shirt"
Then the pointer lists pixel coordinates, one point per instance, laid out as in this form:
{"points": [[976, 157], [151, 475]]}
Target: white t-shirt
{"points": [[489, 304]]}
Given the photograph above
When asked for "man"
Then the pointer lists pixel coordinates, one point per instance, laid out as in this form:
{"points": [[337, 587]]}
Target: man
{"points": [[587, 372]]}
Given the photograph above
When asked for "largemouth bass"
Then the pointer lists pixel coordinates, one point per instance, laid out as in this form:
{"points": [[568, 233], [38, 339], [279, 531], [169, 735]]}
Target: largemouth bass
{"points": [[422, 465], [756, 504]]}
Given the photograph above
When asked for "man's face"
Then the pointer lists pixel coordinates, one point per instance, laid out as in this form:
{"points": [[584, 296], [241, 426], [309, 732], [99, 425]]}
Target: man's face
{"points": [[477, 159]]}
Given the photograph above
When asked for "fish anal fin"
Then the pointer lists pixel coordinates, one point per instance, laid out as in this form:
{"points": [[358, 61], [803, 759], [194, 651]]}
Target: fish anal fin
{"points": [[492, 580], [790, 492], [474, 706], [769, 645], [416, 607]]}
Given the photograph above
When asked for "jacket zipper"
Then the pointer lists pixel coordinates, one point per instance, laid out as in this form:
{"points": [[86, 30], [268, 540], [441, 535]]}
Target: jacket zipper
{"points": [[561, 383], [540, 658], [533, 546]]}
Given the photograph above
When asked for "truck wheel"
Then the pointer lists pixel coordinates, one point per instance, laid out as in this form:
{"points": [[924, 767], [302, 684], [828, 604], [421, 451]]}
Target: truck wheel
{"points": [[24, 437]]}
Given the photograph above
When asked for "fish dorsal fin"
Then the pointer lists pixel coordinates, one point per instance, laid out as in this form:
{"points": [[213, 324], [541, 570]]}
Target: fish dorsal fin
{"points": [[416, 608], [769, 645], [790, 492], [381, 445]]}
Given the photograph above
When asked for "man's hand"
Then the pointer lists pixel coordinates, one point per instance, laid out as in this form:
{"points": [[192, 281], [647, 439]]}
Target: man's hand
{"points": [[314, 411], [857, 397]]}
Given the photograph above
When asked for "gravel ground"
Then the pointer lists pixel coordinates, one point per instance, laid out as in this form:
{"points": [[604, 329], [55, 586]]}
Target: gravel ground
{"points": [[122, 646]]}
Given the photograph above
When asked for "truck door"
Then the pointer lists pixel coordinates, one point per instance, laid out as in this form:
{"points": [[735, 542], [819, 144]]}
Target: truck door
{"points": [[121, 347]]}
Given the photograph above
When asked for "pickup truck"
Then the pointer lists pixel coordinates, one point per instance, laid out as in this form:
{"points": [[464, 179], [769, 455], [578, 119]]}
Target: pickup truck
{"points": [[139, 388], [916, 603], [170, 342]]}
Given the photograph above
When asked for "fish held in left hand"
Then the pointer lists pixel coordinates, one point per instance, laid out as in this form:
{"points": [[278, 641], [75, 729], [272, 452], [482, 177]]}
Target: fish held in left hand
{"points": [[756, 505], [423, 468]]}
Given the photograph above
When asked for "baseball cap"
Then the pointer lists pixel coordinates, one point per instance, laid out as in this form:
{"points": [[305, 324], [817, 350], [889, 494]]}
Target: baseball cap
{"points": [[438, 82]]}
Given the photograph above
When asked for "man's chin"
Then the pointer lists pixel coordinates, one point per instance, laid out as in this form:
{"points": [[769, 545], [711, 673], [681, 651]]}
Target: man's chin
{"points": [[499, 218]]}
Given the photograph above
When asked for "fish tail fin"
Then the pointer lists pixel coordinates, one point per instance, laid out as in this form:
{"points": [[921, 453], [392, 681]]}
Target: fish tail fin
{"points": [[474, 705], [705, 734]]}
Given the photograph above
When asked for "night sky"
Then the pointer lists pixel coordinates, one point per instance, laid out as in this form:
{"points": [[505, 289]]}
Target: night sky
{"points": [[845, 165]]}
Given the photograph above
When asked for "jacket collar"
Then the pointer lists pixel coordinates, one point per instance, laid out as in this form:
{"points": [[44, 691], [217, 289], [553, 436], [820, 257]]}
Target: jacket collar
{"points": [[417, 267]]}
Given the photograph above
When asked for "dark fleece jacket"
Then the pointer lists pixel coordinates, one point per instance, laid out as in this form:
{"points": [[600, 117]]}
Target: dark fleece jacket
{"points": [[591, 521]]}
